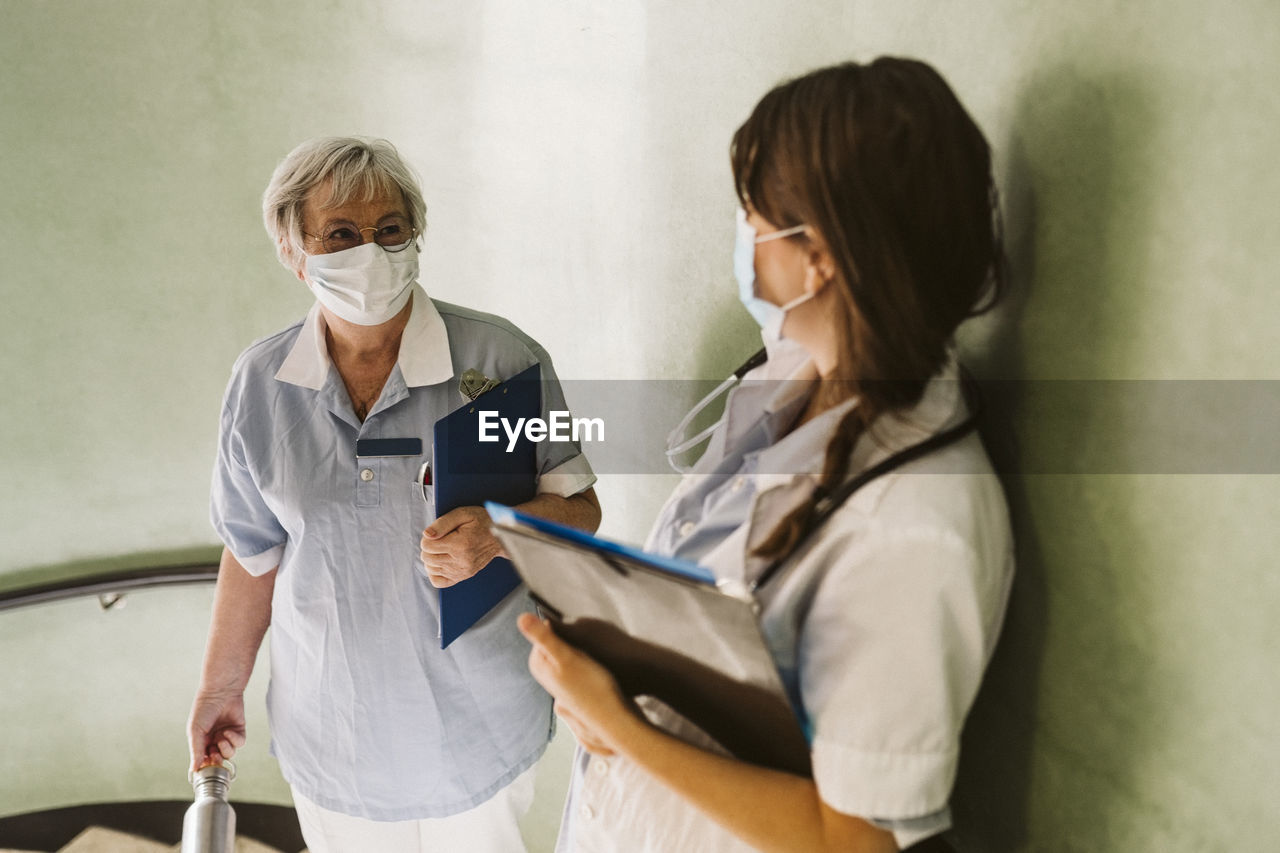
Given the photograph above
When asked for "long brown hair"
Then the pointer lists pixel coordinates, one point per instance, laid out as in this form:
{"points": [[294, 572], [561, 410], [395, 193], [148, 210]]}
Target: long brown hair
{"points": [[885, 164]]}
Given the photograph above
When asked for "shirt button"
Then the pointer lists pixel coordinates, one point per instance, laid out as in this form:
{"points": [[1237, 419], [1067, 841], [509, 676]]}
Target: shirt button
{"points": [[586, 812], [686, 528], [600, 767], [366, 474]]}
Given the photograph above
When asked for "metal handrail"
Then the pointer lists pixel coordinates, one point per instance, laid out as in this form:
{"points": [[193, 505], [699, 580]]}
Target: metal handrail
{"points": [[106, 584]]}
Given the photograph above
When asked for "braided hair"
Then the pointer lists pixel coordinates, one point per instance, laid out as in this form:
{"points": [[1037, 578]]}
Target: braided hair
{"points": [[885, 164]]}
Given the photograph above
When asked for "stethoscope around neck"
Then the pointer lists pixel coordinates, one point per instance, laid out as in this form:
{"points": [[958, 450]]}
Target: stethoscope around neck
{"points": [[677, 442]]}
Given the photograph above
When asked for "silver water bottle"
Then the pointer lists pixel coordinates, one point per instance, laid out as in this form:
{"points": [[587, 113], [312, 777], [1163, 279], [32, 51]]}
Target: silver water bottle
{"points": [[210, 823]]}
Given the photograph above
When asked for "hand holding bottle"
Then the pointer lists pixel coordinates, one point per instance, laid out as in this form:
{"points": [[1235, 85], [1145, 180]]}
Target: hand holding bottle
{"points": [[216, 728]]}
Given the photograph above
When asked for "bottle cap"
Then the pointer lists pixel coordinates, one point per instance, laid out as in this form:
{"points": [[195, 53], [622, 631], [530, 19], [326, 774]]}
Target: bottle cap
{"points": [[225, 771]]}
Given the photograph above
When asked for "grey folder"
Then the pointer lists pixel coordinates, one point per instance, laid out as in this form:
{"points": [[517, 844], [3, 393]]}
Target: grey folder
{"points": [[665, 630]]}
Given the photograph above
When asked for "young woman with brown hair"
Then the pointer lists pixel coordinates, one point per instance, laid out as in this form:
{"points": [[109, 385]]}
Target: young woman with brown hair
{"points": [[869, 231]]}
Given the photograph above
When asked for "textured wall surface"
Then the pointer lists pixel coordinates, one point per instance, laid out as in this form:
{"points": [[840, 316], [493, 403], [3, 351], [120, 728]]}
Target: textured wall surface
{"points": [[573, 156]]}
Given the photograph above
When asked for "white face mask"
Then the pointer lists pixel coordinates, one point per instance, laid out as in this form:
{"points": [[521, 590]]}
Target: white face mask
{"points": [[769, 316], [365, 284]]}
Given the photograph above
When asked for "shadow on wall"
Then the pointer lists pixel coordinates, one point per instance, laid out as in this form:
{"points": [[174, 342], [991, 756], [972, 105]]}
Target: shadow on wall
{"points": [[1069, 168], [990, 800]]}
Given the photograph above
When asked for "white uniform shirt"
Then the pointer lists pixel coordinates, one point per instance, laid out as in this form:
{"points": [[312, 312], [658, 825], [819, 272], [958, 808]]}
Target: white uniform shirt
{"points": [[881, 625]]}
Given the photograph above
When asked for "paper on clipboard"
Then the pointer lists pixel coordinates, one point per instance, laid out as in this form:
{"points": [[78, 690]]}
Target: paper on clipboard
{"points": [[664, 630]]}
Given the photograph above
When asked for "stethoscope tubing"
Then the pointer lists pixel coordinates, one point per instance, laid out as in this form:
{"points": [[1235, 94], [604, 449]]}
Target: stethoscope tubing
{"points": [[677, 444]]}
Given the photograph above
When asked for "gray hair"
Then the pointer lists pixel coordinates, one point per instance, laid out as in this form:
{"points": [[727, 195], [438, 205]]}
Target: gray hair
{"points": [[358, 168]]}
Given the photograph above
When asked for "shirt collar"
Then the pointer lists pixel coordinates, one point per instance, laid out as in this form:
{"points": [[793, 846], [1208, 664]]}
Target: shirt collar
{"points": [[424, 357], [803, 451], [777, 388]]}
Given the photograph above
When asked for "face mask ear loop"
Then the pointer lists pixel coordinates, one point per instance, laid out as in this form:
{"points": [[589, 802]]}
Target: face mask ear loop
{"points": [[677, 444], [799, 300]]}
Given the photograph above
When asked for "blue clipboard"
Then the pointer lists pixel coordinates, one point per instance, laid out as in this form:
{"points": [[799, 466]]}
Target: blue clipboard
{"points": [[469, 472], [506, 516]]}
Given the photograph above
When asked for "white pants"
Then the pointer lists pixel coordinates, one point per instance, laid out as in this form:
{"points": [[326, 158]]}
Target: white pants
{"points": [[491, 827]]}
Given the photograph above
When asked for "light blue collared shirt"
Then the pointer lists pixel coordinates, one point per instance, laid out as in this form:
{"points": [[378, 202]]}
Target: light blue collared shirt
{"points": [[369, 717]]}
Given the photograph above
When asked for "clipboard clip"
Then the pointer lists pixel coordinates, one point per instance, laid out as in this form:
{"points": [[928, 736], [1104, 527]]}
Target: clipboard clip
{"points": [[473, 383]]}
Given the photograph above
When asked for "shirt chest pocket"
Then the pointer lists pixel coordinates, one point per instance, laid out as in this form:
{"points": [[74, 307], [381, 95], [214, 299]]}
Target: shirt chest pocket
{"points": [[390, 481]]}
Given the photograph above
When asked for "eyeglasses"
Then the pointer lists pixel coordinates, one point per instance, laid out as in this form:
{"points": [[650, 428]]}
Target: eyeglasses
{"points": [[393, 235]]}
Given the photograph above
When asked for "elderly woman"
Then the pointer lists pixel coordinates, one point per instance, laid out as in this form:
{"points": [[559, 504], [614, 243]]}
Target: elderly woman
{"points": [[388, 741]]}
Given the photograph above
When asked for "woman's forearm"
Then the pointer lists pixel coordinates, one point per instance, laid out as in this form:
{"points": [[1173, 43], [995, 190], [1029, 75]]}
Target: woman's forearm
{"points": [[769, 809], [241, 614]]}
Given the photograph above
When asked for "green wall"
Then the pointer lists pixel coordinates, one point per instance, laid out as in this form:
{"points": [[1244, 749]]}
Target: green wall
{"points": [[573, 156]]}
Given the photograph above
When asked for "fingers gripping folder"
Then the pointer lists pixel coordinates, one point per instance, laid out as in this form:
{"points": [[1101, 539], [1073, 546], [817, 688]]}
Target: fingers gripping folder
{"points": [[664, 630]]}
